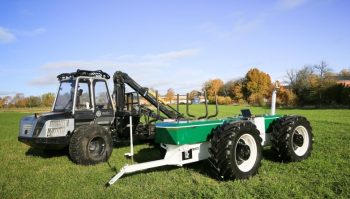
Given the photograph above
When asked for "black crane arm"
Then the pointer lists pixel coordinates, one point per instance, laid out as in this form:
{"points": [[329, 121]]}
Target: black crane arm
{"points": [[120, 79]]}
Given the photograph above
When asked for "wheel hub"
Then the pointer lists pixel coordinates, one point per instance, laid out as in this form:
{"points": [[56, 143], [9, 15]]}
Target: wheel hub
{"points": [[242, 151], [298, 139], [96, 146]]}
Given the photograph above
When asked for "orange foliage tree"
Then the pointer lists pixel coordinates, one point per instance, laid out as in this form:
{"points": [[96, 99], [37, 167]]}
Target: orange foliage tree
{"points": [[47, 99], [169, 96], [213, 86], [257, 86]]}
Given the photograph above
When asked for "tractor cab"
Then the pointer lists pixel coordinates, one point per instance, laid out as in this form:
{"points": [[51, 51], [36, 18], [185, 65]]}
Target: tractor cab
{"points": [[83, 98], [85, 94]]}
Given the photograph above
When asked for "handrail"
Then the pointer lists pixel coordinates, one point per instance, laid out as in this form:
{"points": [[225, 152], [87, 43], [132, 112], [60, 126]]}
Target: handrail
{"points": [[206, 106], [216, 108], [177, 102], [187, 109]]}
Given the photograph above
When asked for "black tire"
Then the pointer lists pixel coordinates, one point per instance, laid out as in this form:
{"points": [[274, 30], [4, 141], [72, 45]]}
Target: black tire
{"points": [[292, 138], [140, 129], [230, 155], [90, 145]]}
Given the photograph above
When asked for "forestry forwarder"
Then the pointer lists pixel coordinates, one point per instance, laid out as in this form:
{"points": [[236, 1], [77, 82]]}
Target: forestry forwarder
{"points": [[84, 119]]}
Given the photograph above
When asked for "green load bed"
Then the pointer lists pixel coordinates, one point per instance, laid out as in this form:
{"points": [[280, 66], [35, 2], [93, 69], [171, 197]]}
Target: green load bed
{"points": [[185, 132]]}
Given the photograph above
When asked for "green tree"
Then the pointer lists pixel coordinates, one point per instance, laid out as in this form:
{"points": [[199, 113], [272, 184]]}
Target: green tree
{"points": [[303, 83], [311, 83]]}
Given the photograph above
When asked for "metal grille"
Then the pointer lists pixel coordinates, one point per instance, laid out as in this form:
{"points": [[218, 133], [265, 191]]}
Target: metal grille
{"points": [[27, 128], [58, 123], [55, 132]]}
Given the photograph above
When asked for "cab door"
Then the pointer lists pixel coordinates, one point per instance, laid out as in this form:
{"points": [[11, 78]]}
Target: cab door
{"points": [[102, 102], [83, 108]]}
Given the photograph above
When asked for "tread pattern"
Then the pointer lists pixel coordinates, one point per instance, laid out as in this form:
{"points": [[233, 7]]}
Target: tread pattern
{"points": [[281, 137], [78, 147], [223, 141]]}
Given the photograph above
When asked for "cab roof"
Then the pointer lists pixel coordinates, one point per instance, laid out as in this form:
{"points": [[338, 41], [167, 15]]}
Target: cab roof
{"points": [[86, 73]]}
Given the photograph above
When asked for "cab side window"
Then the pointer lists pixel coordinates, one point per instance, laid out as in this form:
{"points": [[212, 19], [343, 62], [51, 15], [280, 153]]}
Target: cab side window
{"points": [[83, 101], [102, 98]]}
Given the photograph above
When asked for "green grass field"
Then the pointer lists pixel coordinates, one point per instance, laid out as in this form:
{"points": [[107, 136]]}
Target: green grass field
{"points": [[31, 173]]}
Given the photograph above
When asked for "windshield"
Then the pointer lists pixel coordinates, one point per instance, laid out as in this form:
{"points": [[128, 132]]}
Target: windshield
{"points": [[65, 95]]}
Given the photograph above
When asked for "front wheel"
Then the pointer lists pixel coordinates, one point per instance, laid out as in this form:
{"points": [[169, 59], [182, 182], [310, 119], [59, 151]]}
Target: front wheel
{"points": [[235, 150], [90, 145]]}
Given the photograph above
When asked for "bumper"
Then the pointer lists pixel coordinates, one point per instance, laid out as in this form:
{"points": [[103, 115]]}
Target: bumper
{"points": [[54, 143]]}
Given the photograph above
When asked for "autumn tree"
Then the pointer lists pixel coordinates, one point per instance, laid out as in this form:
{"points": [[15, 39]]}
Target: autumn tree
{"points": [[213, 86], [234, 89], [257, 86], [2, 102], [170, 94], [19, 100], [5, 101], [224, 100], [286, 97], [47, 99], [33, 101]]}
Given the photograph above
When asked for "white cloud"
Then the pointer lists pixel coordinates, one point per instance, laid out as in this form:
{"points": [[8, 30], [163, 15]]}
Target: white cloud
{"points": [[151, 70], [290, 4], [110, 61], [6, 36]]}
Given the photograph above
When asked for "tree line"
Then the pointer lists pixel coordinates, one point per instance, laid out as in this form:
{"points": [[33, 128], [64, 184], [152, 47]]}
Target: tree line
{"points": [[20, 101], [312, 85], [318, 85]]}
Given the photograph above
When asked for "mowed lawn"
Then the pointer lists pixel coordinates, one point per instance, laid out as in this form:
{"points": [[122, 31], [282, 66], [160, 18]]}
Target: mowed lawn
{"points": [[31, 173]]}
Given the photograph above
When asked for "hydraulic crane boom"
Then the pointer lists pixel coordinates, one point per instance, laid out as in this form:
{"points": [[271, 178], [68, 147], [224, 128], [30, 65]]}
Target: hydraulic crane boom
{"points": [[120, 79]]}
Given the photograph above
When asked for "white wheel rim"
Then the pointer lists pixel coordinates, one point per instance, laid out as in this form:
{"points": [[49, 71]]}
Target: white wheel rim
{"points": [[301, 150], [247, 165]]}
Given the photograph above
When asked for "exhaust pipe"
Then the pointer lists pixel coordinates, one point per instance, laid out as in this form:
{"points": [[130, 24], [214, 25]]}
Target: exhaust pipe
{"points": [[274, 96]]}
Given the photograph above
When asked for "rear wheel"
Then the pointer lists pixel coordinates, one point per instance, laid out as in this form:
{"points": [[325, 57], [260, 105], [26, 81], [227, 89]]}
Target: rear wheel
{"points": [[292, 138], [90, 145], [235, 150]]}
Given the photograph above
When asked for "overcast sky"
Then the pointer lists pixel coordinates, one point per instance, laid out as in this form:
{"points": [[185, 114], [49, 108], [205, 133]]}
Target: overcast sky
{"points": [[167, 44]]}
